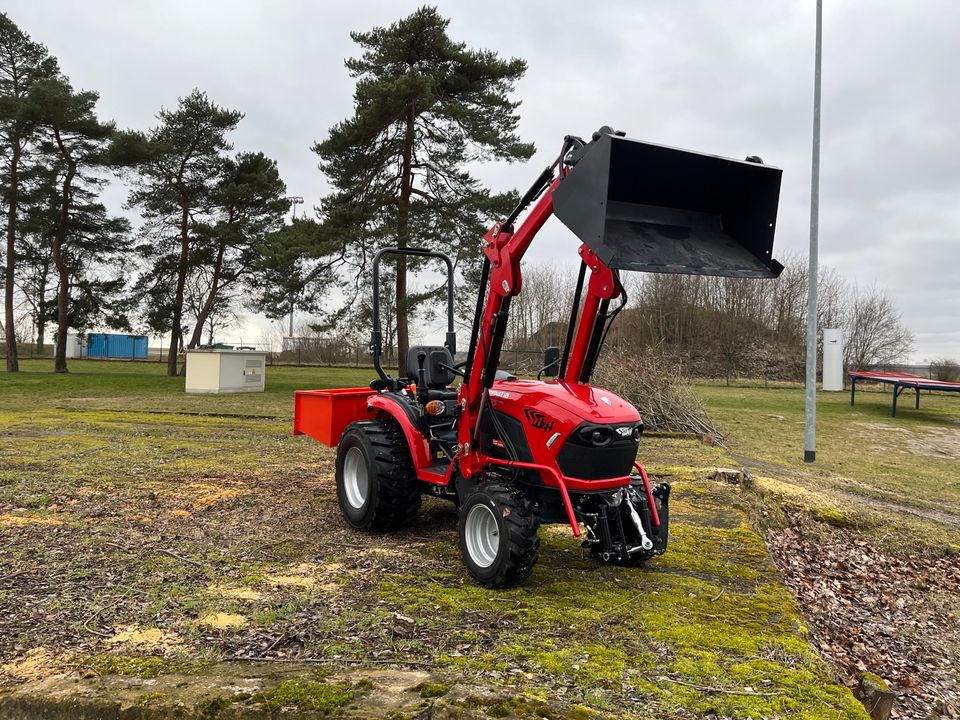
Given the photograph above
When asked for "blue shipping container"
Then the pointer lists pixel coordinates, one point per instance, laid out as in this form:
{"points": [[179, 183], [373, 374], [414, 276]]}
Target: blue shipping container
{"points": [[108, 345]]}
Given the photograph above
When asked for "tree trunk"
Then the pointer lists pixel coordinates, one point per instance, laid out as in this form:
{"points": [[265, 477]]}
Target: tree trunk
{"points": [[11, 337], [403, 235], [41, 308], [211, 300], [175, 332], [63, 274], [41, 315]]}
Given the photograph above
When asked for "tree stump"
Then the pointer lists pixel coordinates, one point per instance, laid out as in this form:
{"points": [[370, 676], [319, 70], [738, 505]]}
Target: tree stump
{"points": [[733, 476], [875, 695]]}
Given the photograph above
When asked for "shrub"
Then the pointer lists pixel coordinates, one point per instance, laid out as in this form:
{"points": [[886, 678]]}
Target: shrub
{"points": [[654, 384]]}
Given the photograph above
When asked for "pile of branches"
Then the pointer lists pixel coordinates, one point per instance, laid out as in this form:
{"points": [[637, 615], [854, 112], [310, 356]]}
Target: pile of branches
{"points": [[654, 384]]}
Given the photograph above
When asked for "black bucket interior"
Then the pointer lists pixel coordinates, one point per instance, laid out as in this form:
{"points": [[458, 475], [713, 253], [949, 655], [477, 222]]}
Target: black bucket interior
{"points": [[652, 208]]}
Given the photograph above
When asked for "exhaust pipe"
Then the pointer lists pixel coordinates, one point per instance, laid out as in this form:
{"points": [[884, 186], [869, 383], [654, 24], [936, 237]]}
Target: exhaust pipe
{"points": [[653, 208]]}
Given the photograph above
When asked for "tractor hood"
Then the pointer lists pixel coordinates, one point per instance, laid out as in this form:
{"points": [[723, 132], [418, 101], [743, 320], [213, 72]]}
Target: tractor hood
{"points": [[571, 401]]}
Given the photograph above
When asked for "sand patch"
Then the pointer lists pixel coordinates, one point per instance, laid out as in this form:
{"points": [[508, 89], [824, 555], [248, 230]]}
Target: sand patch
{"points": [[200, 496], [383, 552], [21, 520], [206, 495], [304, 575], [223, 621], [84, 491], [37, 664], [291, 580], [299, 575], [147, 639], [234, 593], [560, 529], [938, 442], [885, 427]]}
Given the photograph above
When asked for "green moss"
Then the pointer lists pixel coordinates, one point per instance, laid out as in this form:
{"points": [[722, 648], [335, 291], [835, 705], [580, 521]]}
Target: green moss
{"points": [[432, 690], [876, 680], [834, 517], [396, 715], [711, 611], [36, 501], [132, 665], [318, 697], [520, 706], [150, 699], [212, 707]]}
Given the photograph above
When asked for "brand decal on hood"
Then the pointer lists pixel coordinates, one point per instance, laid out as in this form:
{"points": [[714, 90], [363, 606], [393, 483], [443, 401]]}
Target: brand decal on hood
{"points": [[538, 420]]}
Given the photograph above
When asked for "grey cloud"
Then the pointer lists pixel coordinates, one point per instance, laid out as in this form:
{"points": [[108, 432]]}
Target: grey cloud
{"points": [[732, 78]]}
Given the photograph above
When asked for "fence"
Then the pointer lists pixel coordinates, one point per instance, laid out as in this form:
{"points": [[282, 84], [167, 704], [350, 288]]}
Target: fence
{"points": [[513, 360]]}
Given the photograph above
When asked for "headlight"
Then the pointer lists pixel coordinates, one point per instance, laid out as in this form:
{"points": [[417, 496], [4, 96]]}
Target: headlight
{"points": [[597, 435]]}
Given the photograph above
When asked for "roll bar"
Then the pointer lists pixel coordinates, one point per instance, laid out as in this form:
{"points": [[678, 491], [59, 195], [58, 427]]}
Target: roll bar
{"points": [[376, 337]]}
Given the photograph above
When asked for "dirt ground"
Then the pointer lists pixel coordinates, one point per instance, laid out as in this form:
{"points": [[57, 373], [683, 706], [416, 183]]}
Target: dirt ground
{"points": [[141, 545]]}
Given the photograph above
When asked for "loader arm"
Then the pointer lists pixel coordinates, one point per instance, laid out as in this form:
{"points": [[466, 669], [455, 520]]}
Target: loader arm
{"points": [[634, 206], [504, 250]]}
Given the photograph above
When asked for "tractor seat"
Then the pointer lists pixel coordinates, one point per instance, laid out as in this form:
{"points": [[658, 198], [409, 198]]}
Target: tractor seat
{"points": [[436, 377]]}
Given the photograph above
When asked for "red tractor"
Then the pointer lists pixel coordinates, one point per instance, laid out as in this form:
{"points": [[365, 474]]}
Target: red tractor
{"points": [[514, 453]]}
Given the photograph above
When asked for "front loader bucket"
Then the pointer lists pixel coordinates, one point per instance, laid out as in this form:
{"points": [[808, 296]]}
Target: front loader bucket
{"points": [[652, 208]]}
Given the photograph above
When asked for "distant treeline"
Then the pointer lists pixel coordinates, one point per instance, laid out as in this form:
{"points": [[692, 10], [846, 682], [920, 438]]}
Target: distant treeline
{"points": [[722, 327]]}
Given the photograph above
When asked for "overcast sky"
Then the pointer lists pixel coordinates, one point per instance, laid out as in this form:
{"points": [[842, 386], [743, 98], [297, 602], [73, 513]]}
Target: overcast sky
{"points": [[731, 78]]}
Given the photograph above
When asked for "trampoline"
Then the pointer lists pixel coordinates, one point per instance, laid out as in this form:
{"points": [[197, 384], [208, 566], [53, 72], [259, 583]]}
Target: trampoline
{"points": [[900, 382]]}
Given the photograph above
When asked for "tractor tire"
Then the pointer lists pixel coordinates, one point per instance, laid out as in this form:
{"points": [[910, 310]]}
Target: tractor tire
{"points": [[377, 487], [498, 535]]}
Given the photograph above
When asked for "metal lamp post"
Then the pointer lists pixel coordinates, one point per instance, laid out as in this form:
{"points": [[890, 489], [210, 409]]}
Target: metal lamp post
{"points": [[810, 402]]}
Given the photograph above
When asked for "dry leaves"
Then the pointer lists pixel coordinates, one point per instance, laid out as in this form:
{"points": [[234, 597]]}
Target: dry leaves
{"points": [[893, 616]]}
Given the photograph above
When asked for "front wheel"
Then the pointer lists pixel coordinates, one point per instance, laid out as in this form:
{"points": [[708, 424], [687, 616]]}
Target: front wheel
{"points": [[377, 487], [498, 535]]}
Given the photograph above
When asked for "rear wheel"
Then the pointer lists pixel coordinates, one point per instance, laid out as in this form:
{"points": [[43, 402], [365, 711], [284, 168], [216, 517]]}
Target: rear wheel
{"points": [[498, 535], [377, 487]]}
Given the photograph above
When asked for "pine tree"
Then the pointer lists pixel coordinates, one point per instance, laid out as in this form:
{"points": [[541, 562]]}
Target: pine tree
{"points": [[248, 204], [185, 161], [35, 272], [295, 267], [23, 63], [425, 107], [77, 144]]}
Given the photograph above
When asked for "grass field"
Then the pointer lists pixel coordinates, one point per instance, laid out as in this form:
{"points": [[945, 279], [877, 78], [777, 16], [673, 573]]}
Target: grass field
{"points": [[894, 472], [145, 528]]}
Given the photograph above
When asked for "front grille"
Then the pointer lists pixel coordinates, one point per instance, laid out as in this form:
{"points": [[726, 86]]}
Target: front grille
{"points": [[580, 458]]}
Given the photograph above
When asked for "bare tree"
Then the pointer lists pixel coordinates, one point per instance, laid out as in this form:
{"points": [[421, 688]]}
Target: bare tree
{"points": [[539, 314], [945, 369], [874, 329]]}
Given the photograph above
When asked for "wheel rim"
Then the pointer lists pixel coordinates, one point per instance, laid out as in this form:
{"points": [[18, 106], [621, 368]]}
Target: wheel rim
{"points": [[482, 535], [356, 483]]}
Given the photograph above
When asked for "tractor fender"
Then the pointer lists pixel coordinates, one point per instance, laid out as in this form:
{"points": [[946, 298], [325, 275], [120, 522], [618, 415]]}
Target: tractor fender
{"points": [[399, 411]]}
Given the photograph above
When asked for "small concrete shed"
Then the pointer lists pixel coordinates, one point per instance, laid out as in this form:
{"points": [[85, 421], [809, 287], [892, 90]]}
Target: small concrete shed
{"points": [[225, 371]]}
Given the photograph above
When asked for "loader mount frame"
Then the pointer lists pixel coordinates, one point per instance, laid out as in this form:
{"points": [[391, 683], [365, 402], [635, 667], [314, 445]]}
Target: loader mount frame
{"points": [[561, 450]]}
